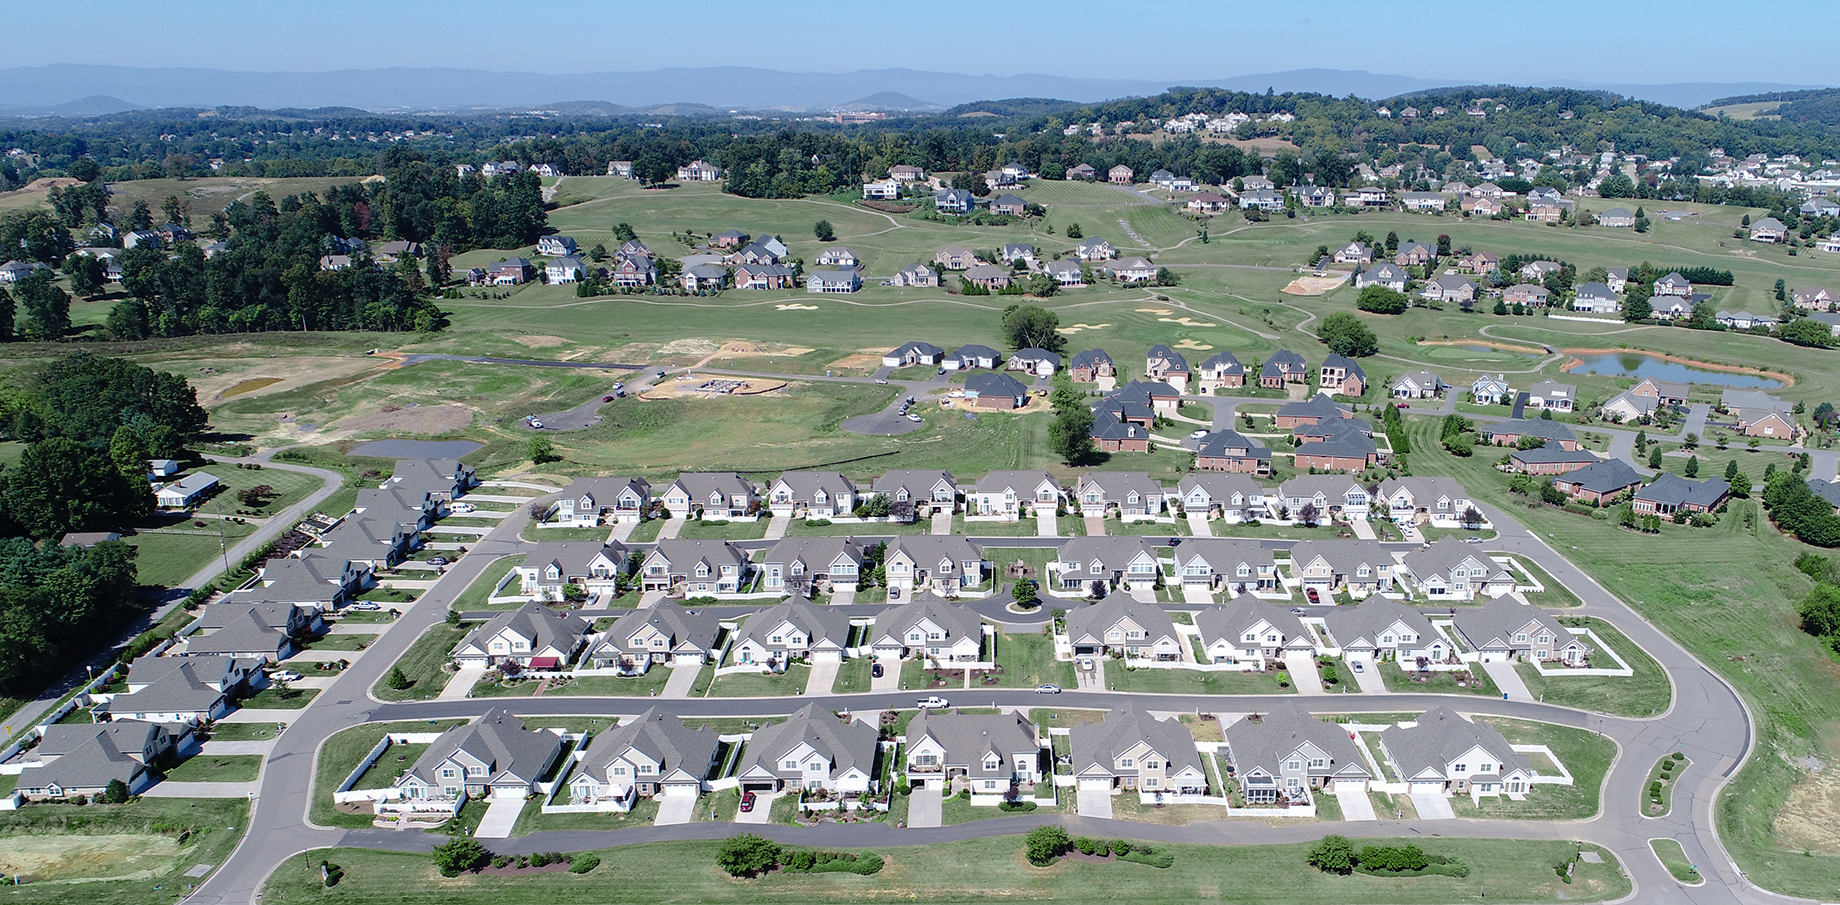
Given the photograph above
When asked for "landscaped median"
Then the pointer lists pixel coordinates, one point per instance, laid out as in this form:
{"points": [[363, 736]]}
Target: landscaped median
{"points": [[977, 870]]}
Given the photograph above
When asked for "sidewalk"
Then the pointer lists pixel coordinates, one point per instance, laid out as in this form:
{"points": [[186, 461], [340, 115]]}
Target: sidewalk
{"points": [[170, 789]]}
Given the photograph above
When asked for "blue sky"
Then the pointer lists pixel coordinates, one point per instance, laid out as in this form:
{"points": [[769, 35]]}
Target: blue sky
{"points": [[1171, 40]]}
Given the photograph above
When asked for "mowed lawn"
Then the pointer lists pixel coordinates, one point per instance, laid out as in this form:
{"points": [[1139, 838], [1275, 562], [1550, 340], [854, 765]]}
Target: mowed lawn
{"points": [[422, 664], [340, 754], [127, 854], [1644, 692], [980, 870], [1585, 754]]}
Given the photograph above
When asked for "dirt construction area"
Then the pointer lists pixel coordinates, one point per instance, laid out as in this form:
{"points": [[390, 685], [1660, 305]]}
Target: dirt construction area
{"points": [[65, 857], [1312, 285], [1810, 820], [426, 420], [711, 387]]}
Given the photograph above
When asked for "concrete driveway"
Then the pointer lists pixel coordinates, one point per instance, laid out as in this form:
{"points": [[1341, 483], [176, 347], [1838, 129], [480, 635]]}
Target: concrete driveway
{"points": [[1355, 804], [1198, 522], [823, 676], [926, 808], [890, 679], [675, 809], [1046, 524], [763, 807], [1508, 679], [1368, 678], [457, 687], [1433, 806], [1302, 666], [501, 815], [683, 678], [1197, 594], [1094, 803]]}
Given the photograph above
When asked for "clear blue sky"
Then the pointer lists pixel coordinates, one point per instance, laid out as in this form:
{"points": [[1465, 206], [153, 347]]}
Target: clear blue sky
{"points": [[1615, 41]]}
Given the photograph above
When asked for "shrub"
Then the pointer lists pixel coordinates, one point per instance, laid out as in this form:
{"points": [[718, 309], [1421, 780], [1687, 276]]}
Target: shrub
{"points": [[538, 859], [460, 854], [331, 873], [800, 861], [1043, 844], [747, 855], [1152, 857], [584, 862], [1086, 845], [1121, 847], [1679, 756], [1332, 855], [1017, 806]]}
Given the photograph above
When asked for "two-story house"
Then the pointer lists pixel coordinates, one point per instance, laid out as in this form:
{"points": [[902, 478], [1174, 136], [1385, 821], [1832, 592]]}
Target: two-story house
{"points": [[652, 755], [1221, 371], [1288, 754], [1443, 753], [1507, 630], [550, 568], [912, 493], [589, 500], [1113, 560], [813, 494], [1130, 750], [1235, 496], [811, 750], [793, 630], [1221, 562], [1010, 493], [802, 566], [1426, 499], [532, 637], [930, 628], [1326, 566], [493, 756], [1381, 629], [1321, 498], [717, 495], [1228, 450], [697, 566], [942, 564], [989, 753], [664, 634], [1452, 570], [1132, 494], [1166, 365], [1251, 633], [1124, 627]]}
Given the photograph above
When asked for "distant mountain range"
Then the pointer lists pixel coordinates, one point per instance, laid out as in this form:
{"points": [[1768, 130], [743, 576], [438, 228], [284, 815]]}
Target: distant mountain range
{"points": [[93, 90]]}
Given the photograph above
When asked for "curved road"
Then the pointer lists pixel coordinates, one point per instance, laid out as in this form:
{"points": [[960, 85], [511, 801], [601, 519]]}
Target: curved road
{"points": [[1707, 721]]}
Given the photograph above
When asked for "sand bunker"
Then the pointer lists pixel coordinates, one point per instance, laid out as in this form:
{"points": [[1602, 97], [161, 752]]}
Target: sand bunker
{"points": [[427, 420], [1075, 328], [56, 856], [1191, 344], [1164, 311], [1187, 322], [540, 342], [794, 306], [1312, 285]]}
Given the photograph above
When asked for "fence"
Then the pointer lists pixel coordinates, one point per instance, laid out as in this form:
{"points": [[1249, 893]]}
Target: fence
{"points": [[1622, 667]]}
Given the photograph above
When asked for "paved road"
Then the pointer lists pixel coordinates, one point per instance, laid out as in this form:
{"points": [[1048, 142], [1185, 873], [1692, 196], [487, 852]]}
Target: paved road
{"points": [[29, 715], [1707, 721]]}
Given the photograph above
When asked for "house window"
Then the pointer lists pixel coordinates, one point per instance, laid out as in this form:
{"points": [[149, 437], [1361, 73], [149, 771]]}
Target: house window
{"points": [[1126, 762], [475, 771], [1520, 638], [1317, 763], [1151, 764], [1545, 639], [616, 770], [1294, 765], [447, 773], [645, 768], [1460, 768], [1150, 782], [792, 764], [1251, 636], [993, 765]]}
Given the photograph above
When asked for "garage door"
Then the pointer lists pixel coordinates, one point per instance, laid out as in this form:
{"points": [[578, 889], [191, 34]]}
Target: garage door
{"points": [[679, 790], [1099, 784]]}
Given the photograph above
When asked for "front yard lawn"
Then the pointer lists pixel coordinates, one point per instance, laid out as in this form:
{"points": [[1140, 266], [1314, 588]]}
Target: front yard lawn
{"points": [[752, 685], [1645, 692], [217, 768], [422, 663], [1194, 681], [1028, 660], [1584, 753], [1436, 683]]}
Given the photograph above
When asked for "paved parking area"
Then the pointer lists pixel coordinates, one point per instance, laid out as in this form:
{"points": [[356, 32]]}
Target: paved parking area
{"points": [[763, 806], [1356, 805], [675, 809], [1368, 677], [501, 815]]}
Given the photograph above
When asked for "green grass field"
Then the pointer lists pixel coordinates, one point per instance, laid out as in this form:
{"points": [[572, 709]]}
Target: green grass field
{"points": [[130, 853], [679, 871], [217, 768], [341, 754], [1637, 695], [1585, 754], [422, 663]]}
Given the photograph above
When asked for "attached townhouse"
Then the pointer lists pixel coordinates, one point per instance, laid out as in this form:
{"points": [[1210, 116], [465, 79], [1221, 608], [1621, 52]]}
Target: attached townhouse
{"points": [[1443, 753], [550, 568], [532, 637], [803, 566], [811, 750], [1288, 754], [1315, 499], [1216, 563], [1122, 627], [990, 754], [946, 565], [1131, 494], [1235, 496], [812, 494], [652, 755], [1131, 751], [929, 628], [1326, 566], [1011, 494], [1121, 561], [1251, 633]]}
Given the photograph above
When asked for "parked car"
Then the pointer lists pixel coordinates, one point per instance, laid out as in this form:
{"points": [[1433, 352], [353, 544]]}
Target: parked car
{"points": [[914, 418], [366, 605], [1197, 435], [1296, 611], [881, 380], [285, 675], [933, 703], [1356, 666], [464, 507], [1472, 540], [660, 375], [437, 560], [1047, 689], [607, 398], [619, 386], [1312, 595], [875, 670], [1086, 663], [535, 424], [747, 802]]}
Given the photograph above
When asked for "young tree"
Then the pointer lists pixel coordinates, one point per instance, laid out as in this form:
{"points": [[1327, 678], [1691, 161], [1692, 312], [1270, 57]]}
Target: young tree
{"points": [[398, 679], [460, 854], [540, 450], [822, 229], [1692, 469], [116, 792], [1654, 458], [1073, 231], [747, 855], [1443, 246], [1025, 594]]}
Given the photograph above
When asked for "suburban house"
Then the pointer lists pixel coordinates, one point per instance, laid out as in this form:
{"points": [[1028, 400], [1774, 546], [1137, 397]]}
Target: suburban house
{"points": [[1262, 199], [943, 564], [990, 753], [813, 494], [1084, 171], [906, 173], [1452, 570], [764, 276], [1324, 497], [1283, 367], [1208, 203], [1674, 285], [1423, 201], [1358, 567], [1306, 412], [493, 756], [1035, 362], [717, 495], [556, 246], [1479, 263], [1235, 496], [1130, 750], [1112, 434], [1222, 562], [588, 501], [1451, 287], [1066, 272], [265, 630], [1552, 395], [1443, 753], [1166, 365], [1769, 229], [1340, 375], [181, 494], [1096, 249], [1357, 253], [1760, 414], [1011, 205], [1120, 175], [1252, 633], [530, 637], [972, 356], [182, 690], [916, 274], [1112, 560], [700, 567], [1599, 483], [811, 750], [914, 353], [882, 189], [955, 201], [1314, 195], [793, 630], [930, 628], [1526, 294], [1597, 298], [1121, 626], [510, 272], [800, 566], [1154, 395], [1491, 390], [1133, 270], [1090, 365], [909, 490], [1018, 251], [662, 634], [1132, 494], [764, 250], [1221, 370], [699, 171], [654, 754], [1008, 493], [1482, 206], [841, 280], [1662, 392], [1230, 451], [1380, 629], [1288, 754], [1389, 275], [1510, 432], [1550, 459], [84, 758], [1506, 630], [1619, 217], [1670, 493], [1423, 499], [1814, 298], [1628, 407], [550, 567], [1418, 385]]}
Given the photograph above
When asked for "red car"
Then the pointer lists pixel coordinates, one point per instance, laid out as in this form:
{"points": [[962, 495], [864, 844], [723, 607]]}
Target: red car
{"points": [[747, 802], [606, 398], [1311, 593]]}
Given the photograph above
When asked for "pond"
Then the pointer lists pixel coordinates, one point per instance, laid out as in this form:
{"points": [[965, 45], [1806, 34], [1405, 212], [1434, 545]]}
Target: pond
{"points": [[415, 449], [1635, 364]]}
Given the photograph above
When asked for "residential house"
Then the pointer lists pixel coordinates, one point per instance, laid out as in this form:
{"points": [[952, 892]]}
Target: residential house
{"points": [[1035, 362], [1325, 497], [1769, 229], [1662, 392], [1424, 201], [698, 567], [1550, 459], [1674, 285], [699, 171], [556, 246], [1112, 434], [1452, 570], [1760, 414], [1096, 249], [1619, 217], [1358, 567], [1552, 396], [972, 356], [588, 501], [1018, 251], [1148, 396], [914, 353], [181, 494], [764, 250], [1133, 270], [845, 280], [1616, 278], [792, 630], [1340, 375], [1132, 494], [1423, 500], [1261, 199], [1414, 254], [1166, 365], [1814, 298], [1382, 629], [1510, 432], [812, 494], [633, 270], [1130, 750], [621, 168], [933, 629], [1288, 754], [1670, 494], [1284, 366], [954, 201], [1236, 497], [991, 754], [1418, 385], [1491, 390], [1010, 205], [1217, 563], [564, 270], [838, 256], [510, 272], [1000, 392], [1084, 171], [802, 566], [1526, 294], [1314, 410], [1597, 298], [1120, 175], [1316, 196], [882, 189], [1090, 365], [185, 691], [1356, 253], [1388, 275], [663, 634], [955, 257], [266, 630], [906, 173], [1220, 371], [1208, 203], [1443, 753], [1505, 630], [1009, 493], [84, 759], [811, 750], [1743, 320], [717, 495], [1230, 451], [532, 637], [1067, 273], [1118, 625], [1251, 633], [1599, 483], [493, 756], [943, 564], [1481, 205], [916, 274], [1450, 287], [908, 490], [1627, 407], [650, 756], [335, 263]]}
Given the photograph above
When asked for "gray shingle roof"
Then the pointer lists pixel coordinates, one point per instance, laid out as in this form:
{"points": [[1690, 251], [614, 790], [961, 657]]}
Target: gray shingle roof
{"points": [[848, 745], [1265, 745], [544, 626], [1231, 620], [687, 630], [1495, 623], [1607, 476], [662, 738], [1440, 734], [1674, 490], [1095, 619], [1100, 744], [968, 737], [500, 740], [819, 623], [1529, 427], [1365, 621]]}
